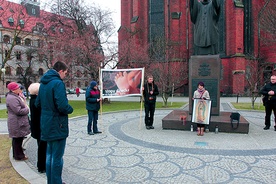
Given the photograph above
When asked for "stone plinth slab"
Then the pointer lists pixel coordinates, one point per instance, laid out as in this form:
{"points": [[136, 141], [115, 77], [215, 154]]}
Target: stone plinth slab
{"points": [[176, 121]]}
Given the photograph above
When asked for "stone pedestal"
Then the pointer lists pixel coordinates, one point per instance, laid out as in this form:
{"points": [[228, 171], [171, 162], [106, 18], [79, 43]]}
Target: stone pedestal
{"points": [[207, 69], [174, 121]]}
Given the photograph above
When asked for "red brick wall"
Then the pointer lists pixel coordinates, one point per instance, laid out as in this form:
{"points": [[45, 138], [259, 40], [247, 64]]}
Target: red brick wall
{"points": [[179, 32]]}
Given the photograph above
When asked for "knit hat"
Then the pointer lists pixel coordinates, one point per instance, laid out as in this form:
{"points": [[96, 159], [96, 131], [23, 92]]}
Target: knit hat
{"points": [[13, 86], [93, 84], [33, 88]]}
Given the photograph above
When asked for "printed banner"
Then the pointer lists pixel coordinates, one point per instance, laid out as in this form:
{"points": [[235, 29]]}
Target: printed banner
{"points": [[121, 82], [201, 111]]}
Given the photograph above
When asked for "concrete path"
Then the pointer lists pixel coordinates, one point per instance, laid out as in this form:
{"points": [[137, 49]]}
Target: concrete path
{"points": [[128, 153]]}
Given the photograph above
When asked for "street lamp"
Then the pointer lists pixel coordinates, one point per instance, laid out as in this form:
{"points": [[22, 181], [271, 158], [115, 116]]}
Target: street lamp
{"points": [[3, 71]]}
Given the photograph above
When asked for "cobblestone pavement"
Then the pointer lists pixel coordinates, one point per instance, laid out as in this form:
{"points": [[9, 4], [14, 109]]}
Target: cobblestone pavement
{"points": [[128, 153]]}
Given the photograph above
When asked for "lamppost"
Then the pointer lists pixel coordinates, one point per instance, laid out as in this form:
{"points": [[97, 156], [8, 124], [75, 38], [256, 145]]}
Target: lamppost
{"points": [[3, 72]]}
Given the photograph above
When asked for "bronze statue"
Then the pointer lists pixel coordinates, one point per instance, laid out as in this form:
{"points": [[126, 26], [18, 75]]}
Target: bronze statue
{"points": [[205, 16]]}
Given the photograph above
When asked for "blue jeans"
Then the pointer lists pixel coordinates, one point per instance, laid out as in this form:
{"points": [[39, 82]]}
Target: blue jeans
{"points": [[92, 117], [54, 161]]}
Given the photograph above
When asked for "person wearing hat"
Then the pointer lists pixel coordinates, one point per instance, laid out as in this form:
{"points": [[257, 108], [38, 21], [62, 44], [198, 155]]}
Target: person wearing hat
{"points": [[201, 93], [92, 98], [18, 121], [35, 128]]}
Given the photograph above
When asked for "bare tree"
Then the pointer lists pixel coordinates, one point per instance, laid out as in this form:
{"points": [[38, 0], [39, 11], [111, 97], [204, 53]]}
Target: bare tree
{"points": [[84, 30], [256, 74], [161, 58], [17, 51]]}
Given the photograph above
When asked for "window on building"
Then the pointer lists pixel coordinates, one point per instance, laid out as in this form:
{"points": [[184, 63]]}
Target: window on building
{"points": [[29, 56], [53, 29], [157, 28], [78, 73], [33, 11], [8, 70], [18, 41], [7, 39], [85, 73], [267, 73], [18, 55], [7, 54], [29, 71], [68, 84], [134, 19], [40, 71], [28, 42], [19, 71], [40, 57], [21, 23], [11, 21], [176, 15]]}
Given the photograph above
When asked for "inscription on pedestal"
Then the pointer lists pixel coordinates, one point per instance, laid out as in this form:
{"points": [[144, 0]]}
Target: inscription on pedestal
{"points": [[205, 69]]}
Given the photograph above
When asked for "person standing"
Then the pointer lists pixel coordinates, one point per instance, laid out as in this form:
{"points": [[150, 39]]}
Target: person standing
{"points": [[18, 121], [150, 91], [269, 92], [78, 91], [54, 106], [93, 99], [205, 16], [201, 93], [35, 128]]}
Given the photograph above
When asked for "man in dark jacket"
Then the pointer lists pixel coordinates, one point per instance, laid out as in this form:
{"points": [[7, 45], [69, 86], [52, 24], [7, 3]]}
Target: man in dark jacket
{"points": [[269, 91], [150, 91], [93, 98], [52, 100]]}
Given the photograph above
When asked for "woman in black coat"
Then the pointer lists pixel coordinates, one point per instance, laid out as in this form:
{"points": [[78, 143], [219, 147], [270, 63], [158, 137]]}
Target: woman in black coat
{"points": [[35, 128]]}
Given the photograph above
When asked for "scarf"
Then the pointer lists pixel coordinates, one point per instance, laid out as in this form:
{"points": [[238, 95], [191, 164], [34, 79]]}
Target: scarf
{"points": [[201, 92]]}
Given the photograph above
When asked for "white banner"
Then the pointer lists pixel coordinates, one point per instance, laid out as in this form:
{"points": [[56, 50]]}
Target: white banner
{"points": [[121, 82]]}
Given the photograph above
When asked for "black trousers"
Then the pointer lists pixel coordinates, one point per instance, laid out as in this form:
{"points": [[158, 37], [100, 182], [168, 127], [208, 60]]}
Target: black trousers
{"points": [[41, 155], [269, 107], [149, 113], [17, 149]]}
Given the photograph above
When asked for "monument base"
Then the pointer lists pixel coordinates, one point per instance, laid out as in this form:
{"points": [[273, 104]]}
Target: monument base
{"points": [[181, 120]]}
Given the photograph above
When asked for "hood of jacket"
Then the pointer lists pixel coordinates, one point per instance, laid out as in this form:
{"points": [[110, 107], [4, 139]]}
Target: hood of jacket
{"points": [[49, 76]]}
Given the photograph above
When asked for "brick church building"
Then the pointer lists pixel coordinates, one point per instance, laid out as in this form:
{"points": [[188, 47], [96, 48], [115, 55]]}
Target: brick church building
{"points": [[248, 59]]}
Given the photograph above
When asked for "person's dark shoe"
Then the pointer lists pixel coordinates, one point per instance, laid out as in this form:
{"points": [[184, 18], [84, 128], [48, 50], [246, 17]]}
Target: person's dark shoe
{"points": [[274, 128], [41, 170], [151, 127], [266, 127], [99, 132], [148, 127], [90, 133], [22, 159]]}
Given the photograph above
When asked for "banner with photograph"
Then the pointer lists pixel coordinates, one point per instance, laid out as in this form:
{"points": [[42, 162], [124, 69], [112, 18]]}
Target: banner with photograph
{"points": [[121, 82]]}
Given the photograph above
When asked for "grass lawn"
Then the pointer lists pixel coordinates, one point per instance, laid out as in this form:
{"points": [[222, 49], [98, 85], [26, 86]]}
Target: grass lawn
{"points": [[248, 106], [7, 172], [9, 175]]}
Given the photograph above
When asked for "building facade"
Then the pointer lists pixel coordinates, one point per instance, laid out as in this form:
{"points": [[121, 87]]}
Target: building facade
{"points": [[243, 52], [27, 52]]}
